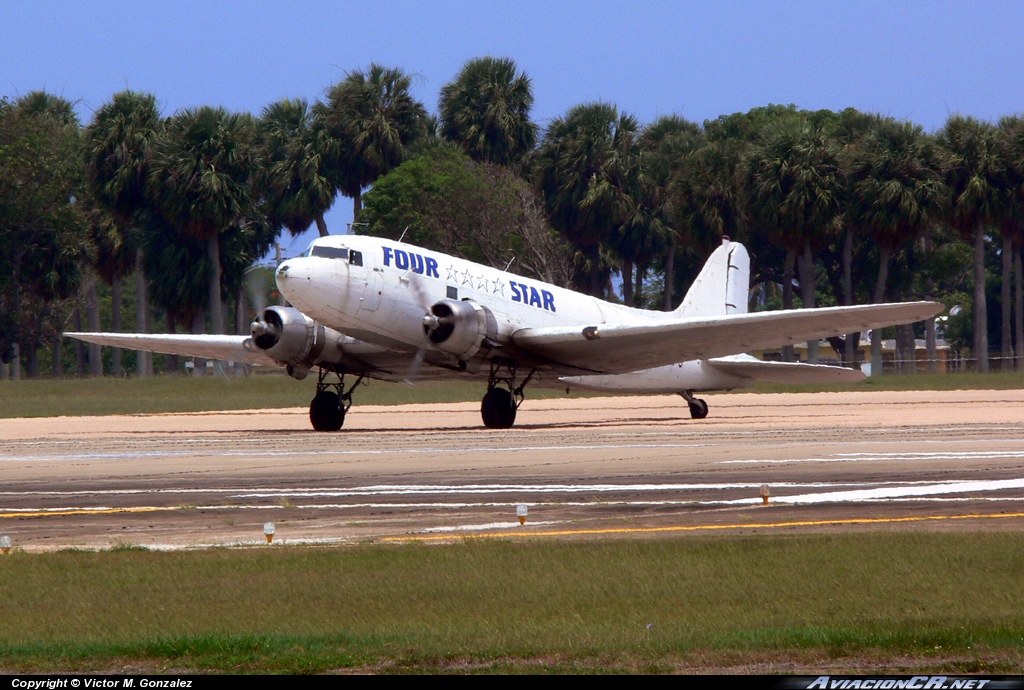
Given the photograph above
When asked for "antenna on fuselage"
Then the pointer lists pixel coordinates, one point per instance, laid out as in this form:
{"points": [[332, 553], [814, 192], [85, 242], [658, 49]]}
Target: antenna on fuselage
{"points": [[509, 262], [403, 233]]}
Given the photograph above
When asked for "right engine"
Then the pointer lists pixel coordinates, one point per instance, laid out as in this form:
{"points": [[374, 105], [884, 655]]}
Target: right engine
{"points": [[293, 339], [464, 329]]}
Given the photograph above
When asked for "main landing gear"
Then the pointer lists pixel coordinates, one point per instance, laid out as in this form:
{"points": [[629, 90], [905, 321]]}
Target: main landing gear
{"points": [[499, 406], [331, 402], [698, 408]]}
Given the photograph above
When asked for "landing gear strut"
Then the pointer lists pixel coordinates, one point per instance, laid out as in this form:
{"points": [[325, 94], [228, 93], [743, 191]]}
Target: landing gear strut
{"points": [[698, 408], [499, 406], [331, 402]]}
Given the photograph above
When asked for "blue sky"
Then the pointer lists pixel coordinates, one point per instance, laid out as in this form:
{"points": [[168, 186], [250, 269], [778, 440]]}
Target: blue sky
{"points": [[916, 60]]}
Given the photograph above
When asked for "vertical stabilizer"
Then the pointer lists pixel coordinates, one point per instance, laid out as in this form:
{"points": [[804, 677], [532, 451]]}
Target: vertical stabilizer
{"points": [[722, 286]]}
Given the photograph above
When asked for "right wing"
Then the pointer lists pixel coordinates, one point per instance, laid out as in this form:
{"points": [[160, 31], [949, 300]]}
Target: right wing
{"points": [[233, 348], [620, 348]]}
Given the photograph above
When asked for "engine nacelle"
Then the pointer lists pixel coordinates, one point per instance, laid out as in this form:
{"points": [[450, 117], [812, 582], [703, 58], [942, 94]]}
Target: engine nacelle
{"points": [[294, 340], [460, 328]]}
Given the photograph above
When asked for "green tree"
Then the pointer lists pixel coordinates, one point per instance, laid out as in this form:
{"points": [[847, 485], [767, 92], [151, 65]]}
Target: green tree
{"points": [[795, 187], [664, 145], [443, 200], [371, 121], [42, 229], [200, 181], [119, 145], [896, 191], [583, 170], [293, 174], [1011, 149], [486, 111], [976, 176]]}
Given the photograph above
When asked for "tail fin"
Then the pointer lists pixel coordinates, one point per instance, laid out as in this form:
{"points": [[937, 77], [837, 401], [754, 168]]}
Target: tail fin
{"points": [[722, 286]]}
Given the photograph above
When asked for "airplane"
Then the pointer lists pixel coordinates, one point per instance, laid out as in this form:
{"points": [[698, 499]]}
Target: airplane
{"points": [[373, 308]]}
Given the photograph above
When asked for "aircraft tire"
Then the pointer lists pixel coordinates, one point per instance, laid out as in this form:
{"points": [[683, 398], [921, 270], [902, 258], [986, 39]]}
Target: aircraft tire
{"points": [[498, 409], [325, 412], [698, 409]]}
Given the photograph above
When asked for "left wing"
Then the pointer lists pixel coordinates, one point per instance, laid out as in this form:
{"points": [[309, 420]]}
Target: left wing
{"points": [[234, 348], [624, 348]]}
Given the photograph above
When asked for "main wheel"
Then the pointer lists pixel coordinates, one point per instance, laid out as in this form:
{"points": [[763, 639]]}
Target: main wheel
{"points": [[325, 412], [698, 409], [498, 409]]}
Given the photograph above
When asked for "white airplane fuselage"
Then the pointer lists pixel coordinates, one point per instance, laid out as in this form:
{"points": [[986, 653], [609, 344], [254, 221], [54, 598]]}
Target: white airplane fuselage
{"points": [[382, 300]]}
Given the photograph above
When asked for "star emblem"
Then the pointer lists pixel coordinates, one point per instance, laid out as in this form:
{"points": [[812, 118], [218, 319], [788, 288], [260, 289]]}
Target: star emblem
{"points": [[482, 282], [499, 287], [467, 278], [452, 273]]}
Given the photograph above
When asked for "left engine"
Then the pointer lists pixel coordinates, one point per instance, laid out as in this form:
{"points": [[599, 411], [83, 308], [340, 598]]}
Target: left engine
{"points": [[296, 341]]}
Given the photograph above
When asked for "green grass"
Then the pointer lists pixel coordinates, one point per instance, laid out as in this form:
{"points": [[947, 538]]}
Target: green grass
{"points": [[996, 380], [508, 605], [102, 396]]}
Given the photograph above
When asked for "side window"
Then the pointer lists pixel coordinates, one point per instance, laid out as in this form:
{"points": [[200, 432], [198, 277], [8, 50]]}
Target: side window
{"points": [[355, 258]]}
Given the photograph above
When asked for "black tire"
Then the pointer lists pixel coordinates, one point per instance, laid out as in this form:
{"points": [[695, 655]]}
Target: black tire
{"points": [[325, 412], [698, 409], [498, 409]]}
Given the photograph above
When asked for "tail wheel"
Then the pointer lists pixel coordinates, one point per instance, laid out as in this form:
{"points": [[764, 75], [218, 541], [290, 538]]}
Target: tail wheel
{"points": [[325, 412], [498, 409], [698, 409]]}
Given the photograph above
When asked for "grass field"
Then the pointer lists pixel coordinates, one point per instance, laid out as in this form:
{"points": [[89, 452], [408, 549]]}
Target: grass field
{"points": [[52, 397], [944, 602]]}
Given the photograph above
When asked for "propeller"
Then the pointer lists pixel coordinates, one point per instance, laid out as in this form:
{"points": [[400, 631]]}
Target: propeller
{"points": [[266, 329], [430, 323]]}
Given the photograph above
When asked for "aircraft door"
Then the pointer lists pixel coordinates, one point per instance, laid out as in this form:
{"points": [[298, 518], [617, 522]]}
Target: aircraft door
{"points": [[373, 285]]}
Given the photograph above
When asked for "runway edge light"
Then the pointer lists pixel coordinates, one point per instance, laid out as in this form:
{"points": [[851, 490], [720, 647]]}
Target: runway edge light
{"points": [[5, 544], [268, 531], [765, 493], [521, 512]]}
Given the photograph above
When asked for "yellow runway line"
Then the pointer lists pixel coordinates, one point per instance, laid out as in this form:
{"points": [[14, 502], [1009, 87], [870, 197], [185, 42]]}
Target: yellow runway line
{"points": [[86, 511], [698, 528]]}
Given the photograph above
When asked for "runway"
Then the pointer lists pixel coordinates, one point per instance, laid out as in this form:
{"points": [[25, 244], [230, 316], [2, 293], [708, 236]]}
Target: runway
{"points": [[635, 467]]}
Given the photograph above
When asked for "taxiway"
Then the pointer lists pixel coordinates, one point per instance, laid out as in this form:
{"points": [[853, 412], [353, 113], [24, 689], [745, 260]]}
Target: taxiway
{"points": [[589, 467]]}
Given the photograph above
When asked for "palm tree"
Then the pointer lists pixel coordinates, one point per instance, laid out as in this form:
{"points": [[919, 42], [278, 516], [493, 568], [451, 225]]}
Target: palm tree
{"points": [[795, 187], [201, 183], [896, 190], [119, 145], [114, 259], [486, 110], [664, 145], [371, 119], [976, 177], [1011, 139], [852, 127], [583, 170], [293, 175]]}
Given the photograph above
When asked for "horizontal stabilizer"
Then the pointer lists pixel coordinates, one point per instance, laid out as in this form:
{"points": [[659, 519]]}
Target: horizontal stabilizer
{"points": [[749, 367], [627, 347], [234, 348]]}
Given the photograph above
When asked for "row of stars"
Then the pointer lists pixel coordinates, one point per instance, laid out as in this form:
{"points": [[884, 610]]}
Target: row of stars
{"points": [[480, 282]]}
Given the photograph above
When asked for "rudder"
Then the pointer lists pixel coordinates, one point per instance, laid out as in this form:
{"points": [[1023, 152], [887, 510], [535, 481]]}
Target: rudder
{"points": [[722, 286]]}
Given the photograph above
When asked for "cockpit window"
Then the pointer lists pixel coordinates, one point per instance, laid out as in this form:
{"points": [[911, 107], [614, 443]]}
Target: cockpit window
{"points": [[355, 258], [329, 252]]}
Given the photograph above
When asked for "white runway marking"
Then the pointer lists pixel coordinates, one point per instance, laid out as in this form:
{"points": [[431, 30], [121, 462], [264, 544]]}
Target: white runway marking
{"points": [[398, 489], [328, 452], [855, 493], [876, 457]]}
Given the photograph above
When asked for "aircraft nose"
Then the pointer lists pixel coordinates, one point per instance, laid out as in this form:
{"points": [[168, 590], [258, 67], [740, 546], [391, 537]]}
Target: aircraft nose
{"points": [[293, 279]]}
